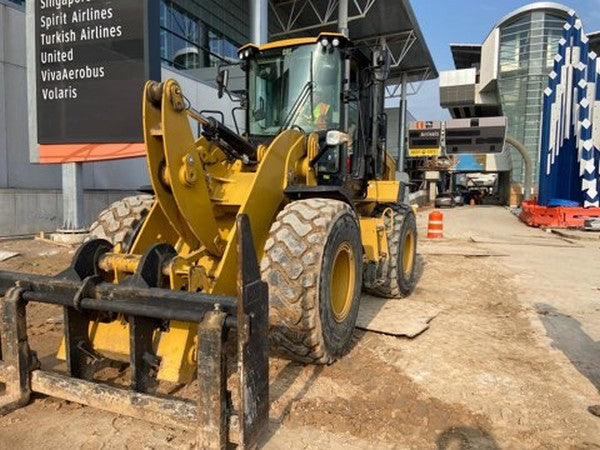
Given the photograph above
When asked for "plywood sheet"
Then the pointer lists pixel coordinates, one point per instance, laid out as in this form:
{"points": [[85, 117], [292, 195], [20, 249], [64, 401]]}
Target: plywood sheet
{"points": [[397, 317]]}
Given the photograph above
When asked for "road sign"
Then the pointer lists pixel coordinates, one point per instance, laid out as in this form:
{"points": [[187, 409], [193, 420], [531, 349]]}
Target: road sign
{"points": [[92, 58]]}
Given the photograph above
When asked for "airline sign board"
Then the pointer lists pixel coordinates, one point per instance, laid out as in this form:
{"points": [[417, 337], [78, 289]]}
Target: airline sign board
{"points": [[89, 61]]}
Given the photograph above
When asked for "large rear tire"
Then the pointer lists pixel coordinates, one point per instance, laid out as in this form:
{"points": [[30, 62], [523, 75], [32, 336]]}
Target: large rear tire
{"points": [[399, 272], [121, 221], [313, 266]]}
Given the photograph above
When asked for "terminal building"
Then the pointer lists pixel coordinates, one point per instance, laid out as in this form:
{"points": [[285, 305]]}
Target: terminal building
{"points": [[507, 74], [196, 36]]}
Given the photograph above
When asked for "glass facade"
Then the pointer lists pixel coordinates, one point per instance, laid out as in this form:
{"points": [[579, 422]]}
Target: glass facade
{"points": [[18, 2], [527, 49], [187, 42]]}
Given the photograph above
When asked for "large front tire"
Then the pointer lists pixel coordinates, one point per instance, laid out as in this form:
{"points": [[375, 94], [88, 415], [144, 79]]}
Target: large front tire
{"points": [[313, 266]]}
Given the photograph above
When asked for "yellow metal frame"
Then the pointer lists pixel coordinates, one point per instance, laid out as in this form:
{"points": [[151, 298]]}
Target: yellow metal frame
{"points": [[199, 192], [292, 42], [190, 177], [374, 238]]}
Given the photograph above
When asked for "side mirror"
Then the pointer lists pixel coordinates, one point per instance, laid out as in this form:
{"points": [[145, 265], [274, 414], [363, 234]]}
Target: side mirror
{"points": [[222, 81]]}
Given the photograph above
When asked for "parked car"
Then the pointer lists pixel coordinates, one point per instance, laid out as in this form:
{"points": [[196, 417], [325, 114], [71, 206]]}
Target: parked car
{"points": [[445, 200]]}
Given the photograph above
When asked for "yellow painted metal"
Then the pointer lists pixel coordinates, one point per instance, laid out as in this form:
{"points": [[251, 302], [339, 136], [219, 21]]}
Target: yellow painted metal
{"points": [[156, 230], [342, 282], [383, 191], [284, 43], [292, 42], [368, 234], [221, 190], [199, 193], [408, 255], [373, 237], [230, 191], [389, 171], [119, 262], [263, 201], [153, 138], [188, 185], [176, 350], [111, 339]]}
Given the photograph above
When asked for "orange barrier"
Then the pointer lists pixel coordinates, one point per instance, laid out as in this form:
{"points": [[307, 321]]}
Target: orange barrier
{"points": [[435, 227], [535, 215]]}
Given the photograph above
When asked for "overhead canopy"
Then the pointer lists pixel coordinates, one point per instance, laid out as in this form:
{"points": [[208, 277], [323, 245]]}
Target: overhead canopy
{"points": [[368, 22]]}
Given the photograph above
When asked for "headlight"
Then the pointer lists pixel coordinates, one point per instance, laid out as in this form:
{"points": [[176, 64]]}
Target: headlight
{"points": [[335, 137], [335, 42], [324, 42]]}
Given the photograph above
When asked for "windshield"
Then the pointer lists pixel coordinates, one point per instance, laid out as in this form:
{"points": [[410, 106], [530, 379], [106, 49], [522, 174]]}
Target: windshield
{"points": [[284, 92]]}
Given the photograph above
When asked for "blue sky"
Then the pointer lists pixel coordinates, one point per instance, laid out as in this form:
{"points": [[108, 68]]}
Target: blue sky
{"points": [[469, 21]]}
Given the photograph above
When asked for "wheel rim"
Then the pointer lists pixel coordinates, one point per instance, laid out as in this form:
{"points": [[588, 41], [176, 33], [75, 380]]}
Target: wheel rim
{"points": [[408, 254], [341, 283]]}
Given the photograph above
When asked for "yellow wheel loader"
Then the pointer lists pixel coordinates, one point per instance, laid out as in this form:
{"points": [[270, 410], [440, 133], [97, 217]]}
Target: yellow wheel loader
{"points": [[246, 242]]}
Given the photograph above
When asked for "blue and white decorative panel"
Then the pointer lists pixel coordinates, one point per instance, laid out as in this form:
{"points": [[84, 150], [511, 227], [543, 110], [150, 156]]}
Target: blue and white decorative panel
{"points": [[570, 134]]}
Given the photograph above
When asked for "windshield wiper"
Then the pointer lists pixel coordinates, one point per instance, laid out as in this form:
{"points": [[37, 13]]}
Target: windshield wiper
{"points": [[306, 89]]}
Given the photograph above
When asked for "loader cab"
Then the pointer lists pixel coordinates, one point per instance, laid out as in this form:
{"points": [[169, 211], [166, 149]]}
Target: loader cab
{"points": [[312, 85]]}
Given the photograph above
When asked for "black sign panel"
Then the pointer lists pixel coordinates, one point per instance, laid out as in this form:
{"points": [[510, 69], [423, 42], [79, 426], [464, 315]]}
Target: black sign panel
{"points": [[475, 136], [93, 58], [424, 138]]}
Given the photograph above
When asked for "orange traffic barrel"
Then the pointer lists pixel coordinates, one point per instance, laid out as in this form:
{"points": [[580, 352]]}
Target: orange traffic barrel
{"points": [[435, 227]]}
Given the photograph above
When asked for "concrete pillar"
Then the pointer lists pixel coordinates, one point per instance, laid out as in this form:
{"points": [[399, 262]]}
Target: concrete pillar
{"points": [[432, 191], [259, 21], [72, 190], [402, 131]]}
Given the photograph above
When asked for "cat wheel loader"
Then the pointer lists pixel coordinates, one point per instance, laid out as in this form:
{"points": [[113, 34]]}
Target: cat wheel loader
{"points": [[247, 243]]}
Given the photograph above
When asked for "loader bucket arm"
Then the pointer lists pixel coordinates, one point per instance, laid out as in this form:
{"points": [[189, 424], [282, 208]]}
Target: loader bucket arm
{"points": [[83, 293], [175, 169]]}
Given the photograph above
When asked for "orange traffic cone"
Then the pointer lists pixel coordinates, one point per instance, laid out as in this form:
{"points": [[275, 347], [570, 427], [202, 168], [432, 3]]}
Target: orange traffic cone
{"points": [[435, 227]]}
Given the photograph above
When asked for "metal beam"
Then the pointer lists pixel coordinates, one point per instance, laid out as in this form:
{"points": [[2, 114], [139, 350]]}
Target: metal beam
{"points": [[413, 88], [259, 21], [321, 12], [343, 18]]}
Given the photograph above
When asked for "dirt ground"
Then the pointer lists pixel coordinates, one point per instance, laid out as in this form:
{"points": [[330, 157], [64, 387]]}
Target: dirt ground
{"points": [[512, 361]]}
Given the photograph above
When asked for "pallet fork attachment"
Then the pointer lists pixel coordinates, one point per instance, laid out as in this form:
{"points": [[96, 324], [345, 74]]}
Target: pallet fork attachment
{"points": [[83, 295]]}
